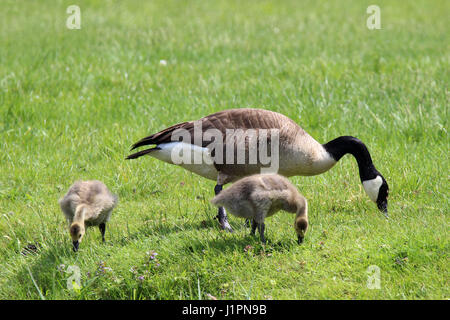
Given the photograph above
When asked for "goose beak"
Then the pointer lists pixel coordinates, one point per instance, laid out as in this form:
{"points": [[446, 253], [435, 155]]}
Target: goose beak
{"points": [[383, 208], [76, 244], [300, 239]]}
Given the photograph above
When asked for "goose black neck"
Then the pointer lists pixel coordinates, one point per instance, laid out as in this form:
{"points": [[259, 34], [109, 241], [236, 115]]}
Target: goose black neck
{"points": [[339, 147]]}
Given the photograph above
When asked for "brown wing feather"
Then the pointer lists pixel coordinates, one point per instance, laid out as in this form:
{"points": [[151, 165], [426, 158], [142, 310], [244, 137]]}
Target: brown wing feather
{"points": [[160, 137], [245, 118]]}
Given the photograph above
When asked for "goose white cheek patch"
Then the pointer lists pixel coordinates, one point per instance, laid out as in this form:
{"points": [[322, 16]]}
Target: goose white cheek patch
{"points": [[372, 187]]}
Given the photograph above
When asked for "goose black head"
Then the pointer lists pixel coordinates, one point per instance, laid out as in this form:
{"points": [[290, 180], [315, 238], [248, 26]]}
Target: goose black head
{"points": [[374, 183], [378, 191]]}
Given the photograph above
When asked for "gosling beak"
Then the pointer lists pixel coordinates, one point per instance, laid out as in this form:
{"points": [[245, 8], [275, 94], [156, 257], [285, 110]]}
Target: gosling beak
{"points": [[76, 244], [300, 239]]}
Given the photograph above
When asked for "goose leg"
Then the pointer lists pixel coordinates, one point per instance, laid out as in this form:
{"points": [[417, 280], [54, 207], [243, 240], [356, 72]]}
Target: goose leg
{"points": [[102, 228], [222, 214]]}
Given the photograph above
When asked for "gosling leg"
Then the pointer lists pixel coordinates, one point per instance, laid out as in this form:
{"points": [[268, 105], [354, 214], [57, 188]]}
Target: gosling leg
{"points": [[102, 228], [254, 225], [222, 214], [261, 228]]}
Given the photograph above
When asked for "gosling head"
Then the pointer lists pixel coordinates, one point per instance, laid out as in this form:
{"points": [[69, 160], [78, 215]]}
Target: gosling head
{"points": [[300, 225], [76, 233], [378, 191]]}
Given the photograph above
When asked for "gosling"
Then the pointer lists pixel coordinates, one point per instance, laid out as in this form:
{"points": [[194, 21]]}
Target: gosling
{"points": [[87, 203], [259, 196]]}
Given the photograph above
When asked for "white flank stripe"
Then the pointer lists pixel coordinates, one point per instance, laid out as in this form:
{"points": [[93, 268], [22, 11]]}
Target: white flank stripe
{"points": [[188, 156]]}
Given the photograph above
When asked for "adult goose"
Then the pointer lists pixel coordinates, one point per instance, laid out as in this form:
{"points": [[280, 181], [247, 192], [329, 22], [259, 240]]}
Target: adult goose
{"points": [[209, 147]]}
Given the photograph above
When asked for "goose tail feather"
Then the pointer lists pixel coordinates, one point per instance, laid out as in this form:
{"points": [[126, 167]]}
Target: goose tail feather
{"points": [[141, 153]]}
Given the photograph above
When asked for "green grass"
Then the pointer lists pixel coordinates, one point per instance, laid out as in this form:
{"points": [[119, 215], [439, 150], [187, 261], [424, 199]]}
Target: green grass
{"points": [[73, 101]]}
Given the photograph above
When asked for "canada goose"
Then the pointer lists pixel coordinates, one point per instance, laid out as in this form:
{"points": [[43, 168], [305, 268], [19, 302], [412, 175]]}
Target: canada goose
{"points": [[259, 196], [87, 203], [298, 154]]}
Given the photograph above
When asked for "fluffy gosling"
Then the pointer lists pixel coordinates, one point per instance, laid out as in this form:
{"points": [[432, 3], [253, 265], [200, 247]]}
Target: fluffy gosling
{"points": [[87, 203], [259, 196]]}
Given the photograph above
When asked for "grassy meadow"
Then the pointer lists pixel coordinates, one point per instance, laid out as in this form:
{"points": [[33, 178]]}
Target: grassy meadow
{"points": [[73, 101]]}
